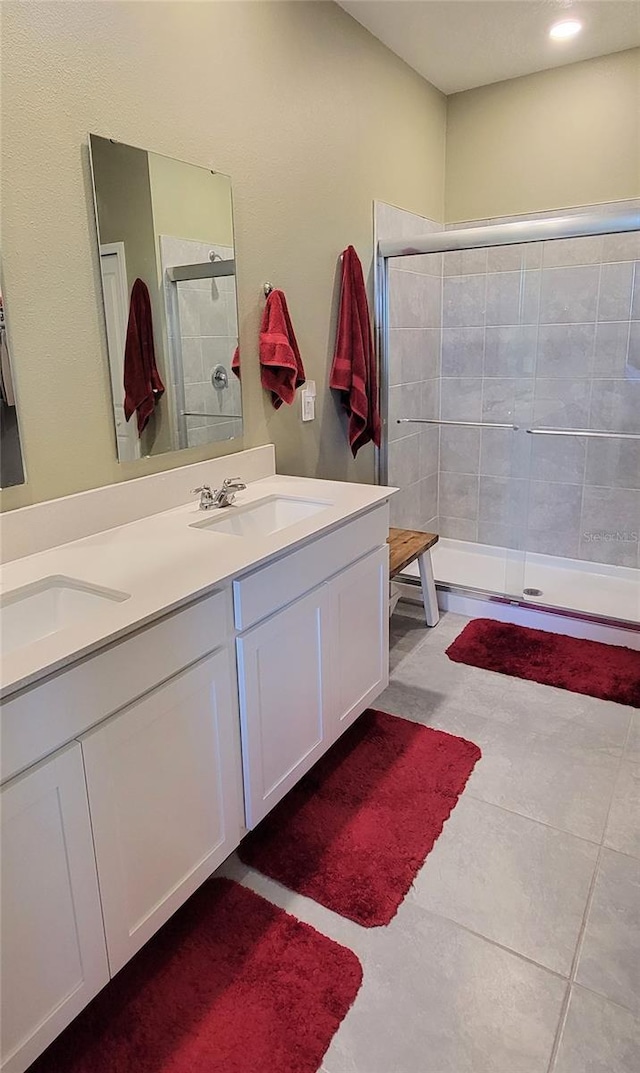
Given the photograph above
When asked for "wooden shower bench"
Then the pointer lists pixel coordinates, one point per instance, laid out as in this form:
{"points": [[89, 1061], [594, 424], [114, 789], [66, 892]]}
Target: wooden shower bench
{"points": [[405, 545]]}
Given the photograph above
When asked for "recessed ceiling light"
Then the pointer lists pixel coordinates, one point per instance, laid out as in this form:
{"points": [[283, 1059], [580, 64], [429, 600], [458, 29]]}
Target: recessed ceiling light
{"points": [[564, 29]]}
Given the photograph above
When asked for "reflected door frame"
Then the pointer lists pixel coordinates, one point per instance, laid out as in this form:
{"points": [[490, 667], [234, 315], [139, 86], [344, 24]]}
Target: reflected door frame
{"points": [[115, 288]]}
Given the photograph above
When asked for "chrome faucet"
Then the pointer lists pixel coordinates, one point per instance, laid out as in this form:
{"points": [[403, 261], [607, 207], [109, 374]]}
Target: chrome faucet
{"points": [[206, 496], [224, 497], [221, 497]]}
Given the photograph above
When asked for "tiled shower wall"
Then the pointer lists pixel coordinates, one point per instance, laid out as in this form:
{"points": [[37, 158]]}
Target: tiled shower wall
{"points": [[415, 302], [208, 337], [545, 335]]}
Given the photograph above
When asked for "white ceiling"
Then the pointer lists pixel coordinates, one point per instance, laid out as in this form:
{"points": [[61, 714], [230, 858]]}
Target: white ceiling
{"points": [[460, 44]]}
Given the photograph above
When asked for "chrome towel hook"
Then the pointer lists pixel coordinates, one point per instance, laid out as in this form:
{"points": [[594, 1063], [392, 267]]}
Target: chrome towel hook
{"points": [[267, 289]]}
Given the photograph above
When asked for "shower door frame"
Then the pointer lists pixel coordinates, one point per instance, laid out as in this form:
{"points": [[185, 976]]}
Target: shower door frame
{"points": [[578, 225]]}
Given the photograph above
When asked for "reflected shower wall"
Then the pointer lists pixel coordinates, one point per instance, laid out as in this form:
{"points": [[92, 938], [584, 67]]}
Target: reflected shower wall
{"points": [[202, 337]]}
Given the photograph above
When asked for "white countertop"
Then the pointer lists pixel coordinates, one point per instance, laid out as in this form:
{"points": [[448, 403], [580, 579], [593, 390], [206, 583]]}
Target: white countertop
{"points": [[164, 563]]}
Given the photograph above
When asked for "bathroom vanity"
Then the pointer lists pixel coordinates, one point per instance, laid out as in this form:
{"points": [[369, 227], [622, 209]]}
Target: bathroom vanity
{"points": [[197, 664]]}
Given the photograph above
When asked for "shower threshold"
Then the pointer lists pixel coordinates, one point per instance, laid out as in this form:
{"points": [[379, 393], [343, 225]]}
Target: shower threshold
{"points": [[606, 592]]}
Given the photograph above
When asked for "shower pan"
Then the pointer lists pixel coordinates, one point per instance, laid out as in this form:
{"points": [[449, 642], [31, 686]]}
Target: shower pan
{"points": [[510, 373]]}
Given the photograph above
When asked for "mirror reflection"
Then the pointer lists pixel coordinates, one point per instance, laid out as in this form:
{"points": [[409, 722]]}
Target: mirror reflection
{"points": [[11, 466], [167, 261]]}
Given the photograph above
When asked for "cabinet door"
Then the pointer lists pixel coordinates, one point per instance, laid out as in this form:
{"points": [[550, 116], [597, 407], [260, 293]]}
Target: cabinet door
{"points": [[165, 796], [359, 668], [53, 958], [281, 667]]}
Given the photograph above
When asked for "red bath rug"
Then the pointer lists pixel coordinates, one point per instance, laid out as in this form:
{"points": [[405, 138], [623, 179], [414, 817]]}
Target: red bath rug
{"points": [[356, 829], [231, 984], [605, 671]]}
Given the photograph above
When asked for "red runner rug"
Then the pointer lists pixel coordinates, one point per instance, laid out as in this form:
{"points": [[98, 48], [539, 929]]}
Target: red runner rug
{"points": [[356, 829], [598, 670], [231, 984]]}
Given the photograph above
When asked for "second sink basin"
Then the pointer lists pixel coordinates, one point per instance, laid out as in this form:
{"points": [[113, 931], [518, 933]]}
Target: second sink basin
{"points": [[54, 603], [262, 518]]}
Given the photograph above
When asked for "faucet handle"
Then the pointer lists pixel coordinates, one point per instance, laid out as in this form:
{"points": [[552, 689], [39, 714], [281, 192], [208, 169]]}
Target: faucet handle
{"points": [[234, 482], [207, 497]]}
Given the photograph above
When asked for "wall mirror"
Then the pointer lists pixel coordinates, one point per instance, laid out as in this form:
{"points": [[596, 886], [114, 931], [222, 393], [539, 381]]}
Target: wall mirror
{"points": [[167, 261], [11, 465]]}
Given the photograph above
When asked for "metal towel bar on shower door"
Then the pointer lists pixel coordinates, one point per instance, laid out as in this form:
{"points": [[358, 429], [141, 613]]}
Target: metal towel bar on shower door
{"points": [[597, 433], [462, 424]]}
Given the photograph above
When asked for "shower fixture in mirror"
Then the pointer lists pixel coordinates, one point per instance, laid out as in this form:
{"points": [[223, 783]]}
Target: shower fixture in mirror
{"points": [[168, 268], [11, 465]]}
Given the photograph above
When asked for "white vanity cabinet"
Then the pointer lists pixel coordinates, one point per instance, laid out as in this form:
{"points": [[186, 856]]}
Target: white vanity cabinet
{"points": [[165, 797], [132, 773], [103, 839], [359, 638], [306, 672], [53, 957], [284, 702]]}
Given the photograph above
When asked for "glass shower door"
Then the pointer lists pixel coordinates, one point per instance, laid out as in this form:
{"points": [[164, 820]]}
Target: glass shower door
{"points": [[514, 411], [450, 431], [488, 353], [581, 534]]}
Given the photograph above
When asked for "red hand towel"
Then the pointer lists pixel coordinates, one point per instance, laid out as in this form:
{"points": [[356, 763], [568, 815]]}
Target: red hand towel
{"points": [[235, 362], [142, 384], [281, 370], [353, 372]]}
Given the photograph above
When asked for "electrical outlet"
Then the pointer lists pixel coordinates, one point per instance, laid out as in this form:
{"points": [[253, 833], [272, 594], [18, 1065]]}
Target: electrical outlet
{"points": [[308, 405]]}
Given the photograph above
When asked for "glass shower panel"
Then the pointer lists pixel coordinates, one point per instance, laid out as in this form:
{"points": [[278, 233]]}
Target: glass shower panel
{"points": [[581, 533], [514, 418], [488, 353], [415, 304]]}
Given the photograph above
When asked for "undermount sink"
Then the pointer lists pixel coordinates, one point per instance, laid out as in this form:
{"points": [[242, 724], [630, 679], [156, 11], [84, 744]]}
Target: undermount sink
{"points": [[54, 603], [261, 518]]}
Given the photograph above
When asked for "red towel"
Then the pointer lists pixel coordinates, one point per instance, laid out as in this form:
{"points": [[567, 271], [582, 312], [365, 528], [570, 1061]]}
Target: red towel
{"points": [[281, 370], [235, 362], [353, 372], [142, 384]]}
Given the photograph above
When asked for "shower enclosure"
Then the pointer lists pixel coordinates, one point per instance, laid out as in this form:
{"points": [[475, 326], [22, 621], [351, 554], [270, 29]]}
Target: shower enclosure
{"points": [[510, 372]]}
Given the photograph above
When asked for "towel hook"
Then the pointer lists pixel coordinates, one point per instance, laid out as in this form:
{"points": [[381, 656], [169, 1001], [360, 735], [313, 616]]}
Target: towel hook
{"points": [[267, 289]]}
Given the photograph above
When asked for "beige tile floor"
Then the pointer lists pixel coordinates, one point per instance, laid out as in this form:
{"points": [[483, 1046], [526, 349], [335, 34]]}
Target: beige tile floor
{"points": [[517, 950]]}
